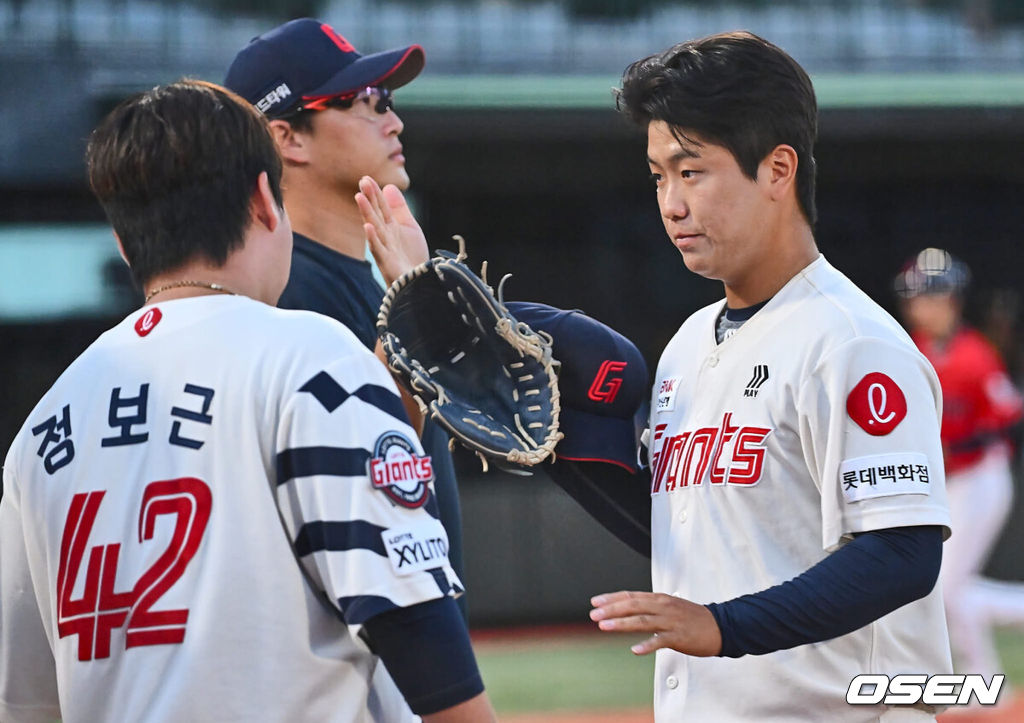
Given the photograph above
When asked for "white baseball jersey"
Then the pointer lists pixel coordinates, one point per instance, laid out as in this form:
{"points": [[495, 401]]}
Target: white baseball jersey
{"points": [[815, 420], [200, 514]]}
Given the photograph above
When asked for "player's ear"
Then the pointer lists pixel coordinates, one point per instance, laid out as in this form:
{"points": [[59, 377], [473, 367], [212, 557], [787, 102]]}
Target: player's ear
{"points": [[779, 169], [291, 143], [265, 210]]}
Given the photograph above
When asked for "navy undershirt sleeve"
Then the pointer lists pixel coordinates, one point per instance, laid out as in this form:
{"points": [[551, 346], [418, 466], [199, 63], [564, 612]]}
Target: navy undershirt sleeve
{"points": [[874, 574], [427, 652]]}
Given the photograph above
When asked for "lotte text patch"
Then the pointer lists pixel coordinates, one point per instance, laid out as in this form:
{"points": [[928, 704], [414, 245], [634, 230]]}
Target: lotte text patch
{"points": [[418, 547], [883, 475]]}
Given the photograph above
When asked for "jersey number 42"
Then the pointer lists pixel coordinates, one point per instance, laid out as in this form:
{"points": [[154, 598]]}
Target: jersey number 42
{"points": [[100, 609]]}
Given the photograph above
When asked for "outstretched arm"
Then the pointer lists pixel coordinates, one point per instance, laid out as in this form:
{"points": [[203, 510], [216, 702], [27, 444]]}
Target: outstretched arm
{"points": [[618, 499], [398, 245], [876, 573]]}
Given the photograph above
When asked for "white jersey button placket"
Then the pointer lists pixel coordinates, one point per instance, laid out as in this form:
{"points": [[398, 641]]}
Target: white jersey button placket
{"points": [[672, 682]]}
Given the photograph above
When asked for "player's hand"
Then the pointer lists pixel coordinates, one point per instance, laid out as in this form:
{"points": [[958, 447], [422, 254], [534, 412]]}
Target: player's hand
{"points": [[396, 239], [675, 623]]}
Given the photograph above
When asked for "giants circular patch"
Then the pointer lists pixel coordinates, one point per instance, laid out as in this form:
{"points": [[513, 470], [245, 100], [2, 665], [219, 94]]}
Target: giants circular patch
{"points": [[877, 404], [396, 470]]}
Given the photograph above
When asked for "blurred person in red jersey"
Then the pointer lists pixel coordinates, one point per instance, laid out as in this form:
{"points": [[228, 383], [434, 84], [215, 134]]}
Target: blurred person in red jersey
{"points": [[980, 409]]}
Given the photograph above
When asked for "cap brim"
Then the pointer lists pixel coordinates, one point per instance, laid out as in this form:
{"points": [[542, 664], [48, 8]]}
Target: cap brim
{"points": [[593, 438], [390, 68]]}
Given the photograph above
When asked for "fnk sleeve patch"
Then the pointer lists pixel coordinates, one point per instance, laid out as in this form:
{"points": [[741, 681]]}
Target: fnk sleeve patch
{"points": [[418, 547], [883, 475], [667, 389]]}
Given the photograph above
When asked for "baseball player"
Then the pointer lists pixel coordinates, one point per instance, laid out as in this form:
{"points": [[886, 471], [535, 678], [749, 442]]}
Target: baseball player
{"points": [[796, 478], [332, 115], [220, 510], [980, 406]]}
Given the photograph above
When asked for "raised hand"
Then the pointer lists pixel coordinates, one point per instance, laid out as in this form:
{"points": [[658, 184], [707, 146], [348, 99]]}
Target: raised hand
{"points": [[396, 239]]}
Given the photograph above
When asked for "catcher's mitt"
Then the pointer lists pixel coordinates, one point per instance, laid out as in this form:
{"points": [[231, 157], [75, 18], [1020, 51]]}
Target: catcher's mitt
{"points": [[488, 379]]}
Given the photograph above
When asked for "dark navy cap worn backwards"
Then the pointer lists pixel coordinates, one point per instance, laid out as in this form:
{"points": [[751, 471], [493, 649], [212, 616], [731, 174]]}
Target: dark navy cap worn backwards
{"points": [[603, 384], [307, 59]]}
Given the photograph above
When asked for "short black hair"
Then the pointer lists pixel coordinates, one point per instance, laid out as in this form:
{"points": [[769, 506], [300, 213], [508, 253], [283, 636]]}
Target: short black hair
{"points": [[733, 89], [175, 168], [301, 122]]}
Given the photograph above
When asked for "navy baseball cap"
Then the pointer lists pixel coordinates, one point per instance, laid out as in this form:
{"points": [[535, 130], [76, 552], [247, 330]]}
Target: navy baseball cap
{"points": [[603, 384], [306, 59]]}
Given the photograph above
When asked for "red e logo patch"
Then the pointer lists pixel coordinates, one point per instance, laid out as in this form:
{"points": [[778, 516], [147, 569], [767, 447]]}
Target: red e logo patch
{"points": [[148, 321], [877, 404]]}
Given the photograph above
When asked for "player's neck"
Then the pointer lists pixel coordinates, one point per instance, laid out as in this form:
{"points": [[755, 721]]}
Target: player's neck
{"points": [[193, 279], [248, 271], [331, 219], [772, 270]]}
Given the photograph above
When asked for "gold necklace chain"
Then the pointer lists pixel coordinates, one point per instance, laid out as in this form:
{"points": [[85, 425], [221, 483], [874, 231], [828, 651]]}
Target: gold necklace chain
{"points": [[178, 284]]}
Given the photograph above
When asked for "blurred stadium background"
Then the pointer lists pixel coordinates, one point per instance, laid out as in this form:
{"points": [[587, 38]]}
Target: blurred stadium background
{"points": [[512, 140]]}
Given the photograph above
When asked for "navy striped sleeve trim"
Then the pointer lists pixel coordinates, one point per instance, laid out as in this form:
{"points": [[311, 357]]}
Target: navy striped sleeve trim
{"points": [[331, 395], [441, 579], [328, 392], [360, 608], [308, 461], [339, 536], [384, 399]]}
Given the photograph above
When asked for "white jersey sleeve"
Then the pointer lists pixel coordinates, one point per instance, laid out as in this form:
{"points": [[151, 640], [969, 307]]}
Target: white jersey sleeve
{"points": [[28, 682], [869, 418], [354, 490]]}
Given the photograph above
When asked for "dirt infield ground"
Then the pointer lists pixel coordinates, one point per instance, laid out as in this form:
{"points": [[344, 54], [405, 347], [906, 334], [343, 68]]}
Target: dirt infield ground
{"points": [[1013, 713]]}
